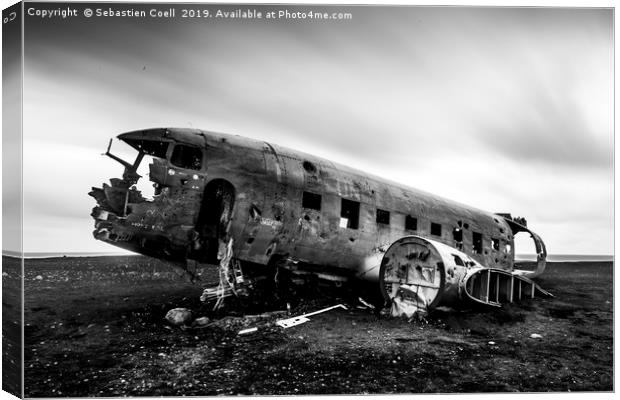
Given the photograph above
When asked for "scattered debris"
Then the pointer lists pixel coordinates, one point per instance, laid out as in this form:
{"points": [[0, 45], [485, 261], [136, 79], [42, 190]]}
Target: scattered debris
{"points": [[179, 316], [536, 336], [365, 303], [289, 322], [249, 330]]}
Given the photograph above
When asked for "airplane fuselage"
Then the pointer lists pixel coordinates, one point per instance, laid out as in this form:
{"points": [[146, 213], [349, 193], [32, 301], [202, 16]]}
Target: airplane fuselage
{"points": [[280, 204]]}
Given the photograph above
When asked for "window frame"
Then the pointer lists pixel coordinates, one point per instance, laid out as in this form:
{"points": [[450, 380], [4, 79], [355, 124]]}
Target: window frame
{"points": [[352, 223], [474, 242], [308, 199], [382, 217], [415, 223], [179, 145], [434, 226]]}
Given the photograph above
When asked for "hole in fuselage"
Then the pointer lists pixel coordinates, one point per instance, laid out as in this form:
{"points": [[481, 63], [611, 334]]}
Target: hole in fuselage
{"points": [[309, 167]]}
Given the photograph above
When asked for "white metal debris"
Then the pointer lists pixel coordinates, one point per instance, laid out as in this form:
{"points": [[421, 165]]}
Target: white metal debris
{"points": [[245, 331], [289, 322], [536, 336]]}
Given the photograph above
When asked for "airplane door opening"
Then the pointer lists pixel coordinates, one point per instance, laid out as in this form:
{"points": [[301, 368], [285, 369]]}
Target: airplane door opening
{"points": [[214, 218]]}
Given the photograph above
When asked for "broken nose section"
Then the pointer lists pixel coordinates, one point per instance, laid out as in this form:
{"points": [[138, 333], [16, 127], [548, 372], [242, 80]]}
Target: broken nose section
{"points": [[113, 202], [159, 228], [117, 196]]}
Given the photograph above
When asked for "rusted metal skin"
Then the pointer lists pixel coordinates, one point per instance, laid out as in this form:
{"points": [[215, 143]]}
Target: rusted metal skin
{"points": [[213, 187]]}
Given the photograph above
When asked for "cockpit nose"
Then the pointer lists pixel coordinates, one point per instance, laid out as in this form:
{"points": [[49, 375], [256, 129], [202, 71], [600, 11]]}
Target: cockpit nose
{"points": [[130, 216]]}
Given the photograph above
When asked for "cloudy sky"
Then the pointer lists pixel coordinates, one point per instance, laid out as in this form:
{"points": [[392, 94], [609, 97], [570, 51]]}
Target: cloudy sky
{"points": [[504, 109]]}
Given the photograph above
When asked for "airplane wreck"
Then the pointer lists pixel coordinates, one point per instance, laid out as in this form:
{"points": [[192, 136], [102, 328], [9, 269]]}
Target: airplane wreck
{"points": [[263, 213]]}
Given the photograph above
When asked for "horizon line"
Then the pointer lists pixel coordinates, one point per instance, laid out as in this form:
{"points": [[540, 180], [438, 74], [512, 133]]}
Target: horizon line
{"points": [[43, 254]]}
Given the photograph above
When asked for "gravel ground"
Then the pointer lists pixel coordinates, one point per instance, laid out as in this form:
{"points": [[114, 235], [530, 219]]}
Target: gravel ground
{"points": [[95, 327]]}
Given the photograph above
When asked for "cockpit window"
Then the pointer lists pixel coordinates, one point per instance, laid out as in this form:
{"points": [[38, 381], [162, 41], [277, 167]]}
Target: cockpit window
{"points": [[153, 148], [188, 157]]}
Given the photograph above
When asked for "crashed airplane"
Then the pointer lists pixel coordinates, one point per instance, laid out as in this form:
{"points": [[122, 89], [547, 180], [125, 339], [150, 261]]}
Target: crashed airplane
{"points": [[261, 212]]}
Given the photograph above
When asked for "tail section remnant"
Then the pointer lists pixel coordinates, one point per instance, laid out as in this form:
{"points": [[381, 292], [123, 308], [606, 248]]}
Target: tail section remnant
{"points": [[418, 274]]}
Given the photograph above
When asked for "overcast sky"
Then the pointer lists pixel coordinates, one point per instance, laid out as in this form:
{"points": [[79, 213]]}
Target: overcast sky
{"points": [[504, 109]]}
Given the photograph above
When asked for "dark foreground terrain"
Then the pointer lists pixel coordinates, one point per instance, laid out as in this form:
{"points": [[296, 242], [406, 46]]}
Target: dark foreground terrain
{"points": [[95, 327], [11, 326]]}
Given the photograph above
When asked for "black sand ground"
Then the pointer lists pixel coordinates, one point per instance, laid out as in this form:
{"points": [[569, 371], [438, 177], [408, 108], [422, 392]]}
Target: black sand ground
{"points": [[95, 327], [12, 326]]}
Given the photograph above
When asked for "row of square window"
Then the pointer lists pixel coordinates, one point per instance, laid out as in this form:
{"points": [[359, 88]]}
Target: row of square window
{"points": [[350, 211], [349, 218]]}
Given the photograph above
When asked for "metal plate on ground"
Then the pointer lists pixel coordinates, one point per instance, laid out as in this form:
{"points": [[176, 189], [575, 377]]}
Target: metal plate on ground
{"points": [[287, 323]]}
